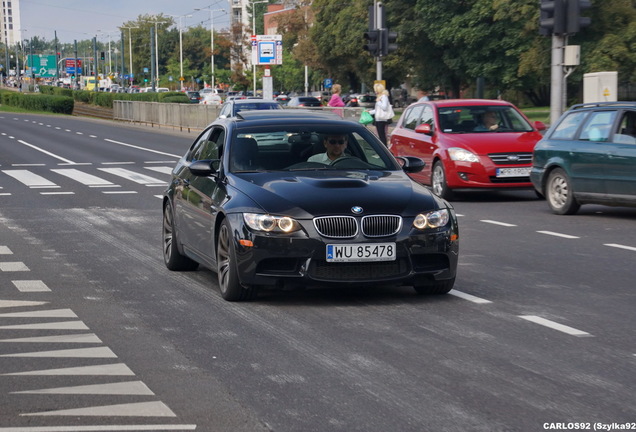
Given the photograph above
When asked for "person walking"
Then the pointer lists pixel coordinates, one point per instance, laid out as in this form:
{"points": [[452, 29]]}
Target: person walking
{"points": [[383, 112], [336, 99]]}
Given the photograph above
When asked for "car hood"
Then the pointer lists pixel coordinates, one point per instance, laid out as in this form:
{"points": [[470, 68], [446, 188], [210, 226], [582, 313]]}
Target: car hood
{"points": [[482, 143], [319, 193]]}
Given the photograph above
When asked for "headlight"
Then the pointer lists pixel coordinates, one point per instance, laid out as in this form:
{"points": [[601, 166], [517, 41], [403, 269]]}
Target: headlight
{"points": [[462, 155], [434, 219], [269, 223]]}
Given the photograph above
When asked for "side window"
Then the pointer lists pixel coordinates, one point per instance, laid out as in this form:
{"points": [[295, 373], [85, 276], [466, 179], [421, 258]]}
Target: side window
{"points": [[427, 116], [568, 127], [198, 146], [410, 121], [213, 146], [626, 130], [598, 126]]}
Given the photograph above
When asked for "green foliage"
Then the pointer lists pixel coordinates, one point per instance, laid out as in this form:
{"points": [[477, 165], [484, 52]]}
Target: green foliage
{"points": [[37, 102]]}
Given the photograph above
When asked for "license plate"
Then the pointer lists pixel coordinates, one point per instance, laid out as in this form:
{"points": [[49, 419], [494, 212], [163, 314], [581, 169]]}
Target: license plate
{"points": [[513, 172], [361, 252]]}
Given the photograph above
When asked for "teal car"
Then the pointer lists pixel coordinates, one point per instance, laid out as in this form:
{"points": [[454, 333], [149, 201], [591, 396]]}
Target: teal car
{"points": [[588, 157]]}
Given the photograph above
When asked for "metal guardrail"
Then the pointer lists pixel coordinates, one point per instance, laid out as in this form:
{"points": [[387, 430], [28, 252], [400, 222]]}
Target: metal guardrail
{"points": [[190, 116]]}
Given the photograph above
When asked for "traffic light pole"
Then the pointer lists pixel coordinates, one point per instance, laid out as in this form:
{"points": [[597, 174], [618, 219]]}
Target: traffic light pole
{"points": [[557, 82]]}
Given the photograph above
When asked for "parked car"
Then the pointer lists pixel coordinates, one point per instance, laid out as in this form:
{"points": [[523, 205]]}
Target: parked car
{"points": [[194, 96], [459, 152], [282, 99], [304, 101], [234, 106], [588, 157], [366, 100], [211, 98], [245, 202]]}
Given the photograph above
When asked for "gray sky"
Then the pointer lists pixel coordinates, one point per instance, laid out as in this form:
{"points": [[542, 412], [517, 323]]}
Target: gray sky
{"points": [[81, 19]]}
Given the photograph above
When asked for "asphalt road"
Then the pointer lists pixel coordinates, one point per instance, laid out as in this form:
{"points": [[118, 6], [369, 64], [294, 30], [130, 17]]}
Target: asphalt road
{"points": [[96, 334]]}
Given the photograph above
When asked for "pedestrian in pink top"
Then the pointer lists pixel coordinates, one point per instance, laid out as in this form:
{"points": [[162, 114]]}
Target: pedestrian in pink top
{"points": [[336, 100]]}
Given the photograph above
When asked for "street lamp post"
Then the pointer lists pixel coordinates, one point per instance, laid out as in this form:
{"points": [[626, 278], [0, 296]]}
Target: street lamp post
{"points": [[211, 41], [181, 47], [254, 34], [130, 71]]}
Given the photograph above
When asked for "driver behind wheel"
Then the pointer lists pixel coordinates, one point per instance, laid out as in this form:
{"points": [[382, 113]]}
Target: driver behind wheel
{"points": [[335, 146]]}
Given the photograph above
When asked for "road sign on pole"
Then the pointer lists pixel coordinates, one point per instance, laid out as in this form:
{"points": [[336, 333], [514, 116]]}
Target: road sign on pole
{"points": [[267, 49]]}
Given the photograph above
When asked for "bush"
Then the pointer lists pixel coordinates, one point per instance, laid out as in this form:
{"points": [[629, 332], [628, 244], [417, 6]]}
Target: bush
{"points": [[38, 102]]}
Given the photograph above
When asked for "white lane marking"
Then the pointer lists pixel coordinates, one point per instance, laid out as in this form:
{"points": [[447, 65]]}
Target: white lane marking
{"points": [[13, 266], [469, 297], [82, 177], [619, 246], [20, 303], [498, 223], [162, 170], [69, 338], [140, 409], [161, 162], [57, 193], [52, 313], [4, 250], [142, 148], [116, 369], [30, 179], [133, 176], [118, 163], [554, 325], [61, 325], [119, 192], [28, 165], [159, 196], [96, 428], [99, 352], [567, 236], [31, 286], [5, 194], [45, 152], [121, 388]]}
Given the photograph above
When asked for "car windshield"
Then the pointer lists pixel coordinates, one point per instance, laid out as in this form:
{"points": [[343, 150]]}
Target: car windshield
{"points": [[482, 119], [304, 148], [255, 106]]}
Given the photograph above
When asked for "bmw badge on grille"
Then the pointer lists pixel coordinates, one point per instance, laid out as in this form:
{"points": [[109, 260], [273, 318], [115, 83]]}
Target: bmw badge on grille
{"points": [[356, 210]]}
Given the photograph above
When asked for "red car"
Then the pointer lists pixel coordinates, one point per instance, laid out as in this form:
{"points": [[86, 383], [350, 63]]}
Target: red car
{"points": [[467, 144]]}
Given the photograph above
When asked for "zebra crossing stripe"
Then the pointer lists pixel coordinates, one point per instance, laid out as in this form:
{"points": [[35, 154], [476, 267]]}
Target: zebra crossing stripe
{"points": [[31, 286], [120, 388], [53, 313], [140, 409], [30, 179], [62, 325], [20, 303], [116, 369], [70, 338], [99, 352], [82, 177]]}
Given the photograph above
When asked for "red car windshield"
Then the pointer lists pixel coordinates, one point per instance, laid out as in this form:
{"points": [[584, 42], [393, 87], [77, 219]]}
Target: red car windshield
{"points": [[482, 119]]}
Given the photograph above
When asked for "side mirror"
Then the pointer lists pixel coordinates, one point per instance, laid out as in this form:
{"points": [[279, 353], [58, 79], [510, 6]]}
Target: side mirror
{"points": [[411, 164], [425, 129], [540, 126], [204, 168]]}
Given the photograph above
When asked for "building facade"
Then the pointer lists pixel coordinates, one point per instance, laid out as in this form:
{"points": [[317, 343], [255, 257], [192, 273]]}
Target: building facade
{"points": [[10, 19]]}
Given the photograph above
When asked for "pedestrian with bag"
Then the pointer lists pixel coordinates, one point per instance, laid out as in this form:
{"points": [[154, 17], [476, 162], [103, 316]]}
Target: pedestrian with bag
{"points": [[336, 99], [383, 112]]}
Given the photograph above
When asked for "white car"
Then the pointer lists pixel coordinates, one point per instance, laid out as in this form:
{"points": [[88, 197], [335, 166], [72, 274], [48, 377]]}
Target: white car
{"points": [[211, 99]]}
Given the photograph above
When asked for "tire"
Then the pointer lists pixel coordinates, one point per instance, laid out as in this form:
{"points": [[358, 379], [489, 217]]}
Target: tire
{"points": [[435, 288], [560, 194], [231, 288], [438, 181], [171, 256]]}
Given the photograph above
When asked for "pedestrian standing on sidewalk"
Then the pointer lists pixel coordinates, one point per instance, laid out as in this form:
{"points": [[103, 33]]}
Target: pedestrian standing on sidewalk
{"points": [[383, 112], [336, 99]]}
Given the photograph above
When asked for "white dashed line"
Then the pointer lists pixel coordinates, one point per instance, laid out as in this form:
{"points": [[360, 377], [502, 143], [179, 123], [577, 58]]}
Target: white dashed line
{"points": [[619, 246], [567, 236], [498, 223], [469, 297], [554, 325]]}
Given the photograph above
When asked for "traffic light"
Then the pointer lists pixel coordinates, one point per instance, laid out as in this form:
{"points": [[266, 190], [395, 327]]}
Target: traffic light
{"points": [[102, 56], [573, 16], [552, 18], [373, 42], [389, 41]]}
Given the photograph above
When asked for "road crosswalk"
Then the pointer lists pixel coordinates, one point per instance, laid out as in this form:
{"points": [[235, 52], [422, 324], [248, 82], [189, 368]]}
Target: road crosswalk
{"points": [[50, 335], [107, 178]]}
